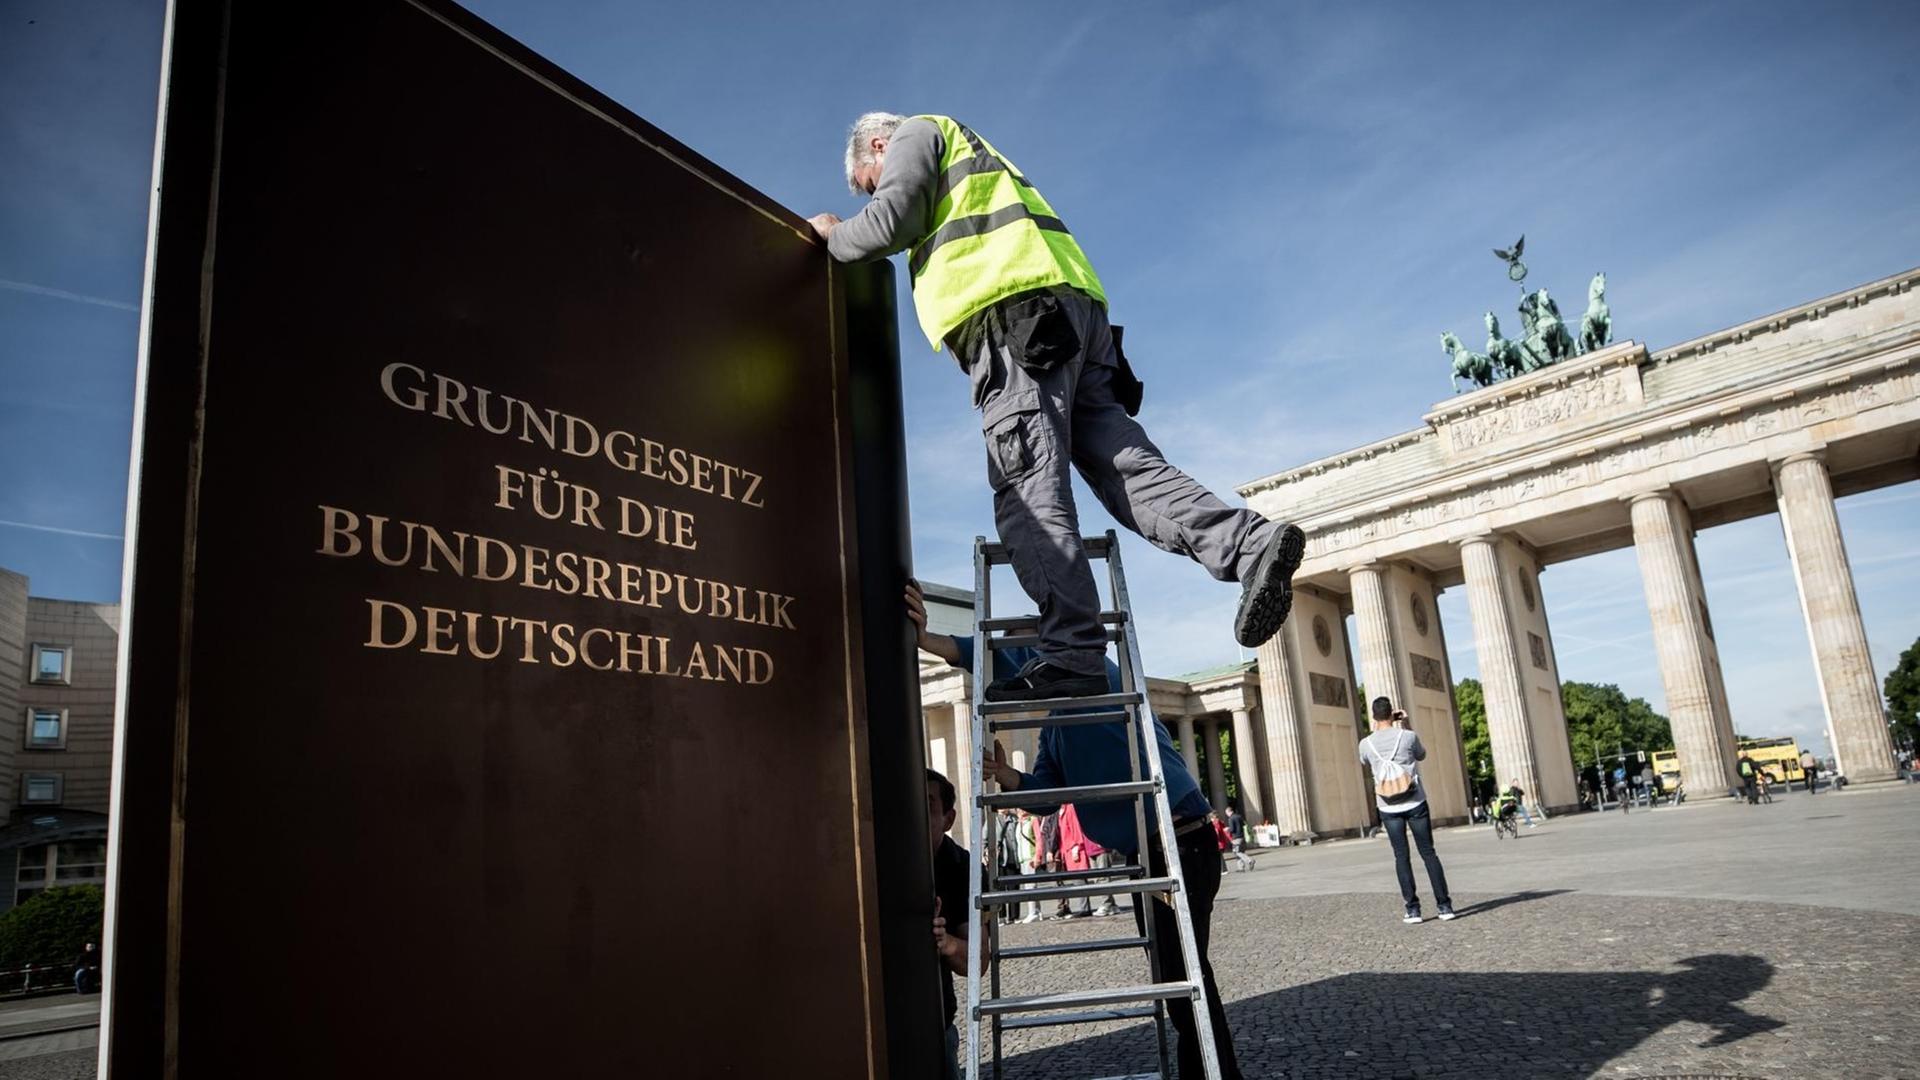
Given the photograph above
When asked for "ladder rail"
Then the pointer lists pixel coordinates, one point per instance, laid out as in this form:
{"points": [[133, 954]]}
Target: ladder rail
{"points": [[1137, 731], [1183, 915], [976, 812], [990, 1011]]}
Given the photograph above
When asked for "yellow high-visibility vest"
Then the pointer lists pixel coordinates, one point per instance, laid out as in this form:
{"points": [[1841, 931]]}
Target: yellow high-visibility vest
{"points": [[993, 236]]}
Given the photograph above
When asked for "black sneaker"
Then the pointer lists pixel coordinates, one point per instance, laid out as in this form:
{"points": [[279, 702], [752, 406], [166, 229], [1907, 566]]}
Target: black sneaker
{"points": [[1040, 680], [1413, 914], [1266, 595], [1446, 912]]}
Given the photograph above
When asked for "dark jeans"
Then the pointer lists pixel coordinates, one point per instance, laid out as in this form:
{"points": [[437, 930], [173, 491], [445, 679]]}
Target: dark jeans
{"points": [[1421, 822], [1200, 862], [1752, 789]]}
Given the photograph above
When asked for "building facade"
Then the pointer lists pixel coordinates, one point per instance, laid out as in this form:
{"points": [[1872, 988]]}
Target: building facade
{"points": [[1621, 447], [57, 681]]}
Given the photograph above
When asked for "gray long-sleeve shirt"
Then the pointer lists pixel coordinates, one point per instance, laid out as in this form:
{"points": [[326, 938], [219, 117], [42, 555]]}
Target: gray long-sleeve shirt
{"points": [[1403, 746], [901, 212]]}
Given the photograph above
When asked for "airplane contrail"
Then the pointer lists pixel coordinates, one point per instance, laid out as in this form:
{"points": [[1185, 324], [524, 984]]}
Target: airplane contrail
{"points": [[62, 294], [61, 531]]}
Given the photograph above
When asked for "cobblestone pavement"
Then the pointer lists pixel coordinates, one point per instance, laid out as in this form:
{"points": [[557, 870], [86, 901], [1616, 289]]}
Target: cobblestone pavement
{"points": [[1715, 940], [1531, 984]]}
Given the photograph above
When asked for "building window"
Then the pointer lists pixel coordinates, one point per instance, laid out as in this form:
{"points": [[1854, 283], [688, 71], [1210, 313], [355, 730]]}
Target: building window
{"points": [[46, 728], [40, 788], [75, 862], [53, 664]]}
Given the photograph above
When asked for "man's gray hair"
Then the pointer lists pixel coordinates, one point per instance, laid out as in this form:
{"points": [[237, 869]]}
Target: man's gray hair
{"points": [[870, 126]]}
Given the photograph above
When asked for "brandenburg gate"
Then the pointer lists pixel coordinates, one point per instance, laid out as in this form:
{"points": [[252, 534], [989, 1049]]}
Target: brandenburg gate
{"points": [[1619, 446]]}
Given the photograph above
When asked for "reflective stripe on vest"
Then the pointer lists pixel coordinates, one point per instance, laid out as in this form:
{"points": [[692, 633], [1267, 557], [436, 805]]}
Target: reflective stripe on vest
{"points": [[993, 236]]}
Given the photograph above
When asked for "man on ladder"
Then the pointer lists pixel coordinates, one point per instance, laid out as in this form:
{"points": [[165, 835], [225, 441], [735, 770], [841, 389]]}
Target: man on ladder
{"points": [[998, 280], [1090, 754]]}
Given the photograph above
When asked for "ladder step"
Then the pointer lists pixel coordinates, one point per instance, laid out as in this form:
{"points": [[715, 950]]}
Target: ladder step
{"points": [[1028, 641], [1069, 892], [1091, 701], [1074, 998], [1097, 1016], [1028, 622], [1065, 720], [1069, 948], [1056, 796], [1049, 877], [998, 554]]}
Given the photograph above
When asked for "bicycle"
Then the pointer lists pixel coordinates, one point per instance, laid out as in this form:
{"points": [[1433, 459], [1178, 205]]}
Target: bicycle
{"points": [[1506, 826]]}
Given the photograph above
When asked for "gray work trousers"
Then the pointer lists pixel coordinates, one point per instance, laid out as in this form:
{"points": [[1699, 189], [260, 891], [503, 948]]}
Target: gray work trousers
{"points": [[1036, 424]]}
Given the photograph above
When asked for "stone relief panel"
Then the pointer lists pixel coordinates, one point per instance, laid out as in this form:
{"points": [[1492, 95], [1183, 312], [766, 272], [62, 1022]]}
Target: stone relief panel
{"points": [[1537, 646], [1322, 636], [1327, 690], [1420, 620], [1427, 673], [1581, 399]]}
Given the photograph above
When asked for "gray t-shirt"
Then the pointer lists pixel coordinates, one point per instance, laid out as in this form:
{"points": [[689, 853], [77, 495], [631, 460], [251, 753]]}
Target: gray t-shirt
{"points": [[1403, 746]]}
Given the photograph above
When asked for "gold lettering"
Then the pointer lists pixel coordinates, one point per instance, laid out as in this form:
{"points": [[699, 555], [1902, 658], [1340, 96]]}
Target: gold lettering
{"points": [[484, 544], [473, 635], [449, 395], [377, 610], [417, 396], [562, 642], [376, 530], [697, 664], [597, 573], [586, 657], [512, 482], [342, 524], [434, 630], [628, 653]]}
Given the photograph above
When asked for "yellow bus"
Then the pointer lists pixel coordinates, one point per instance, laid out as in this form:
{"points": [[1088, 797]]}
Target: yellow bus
{"points": [[1779, 759]]}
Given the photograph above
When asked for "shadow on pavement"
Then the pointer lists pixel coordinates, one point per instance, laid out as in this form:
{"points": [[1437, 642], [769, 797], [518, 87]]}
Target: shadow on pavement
{"points": [[1449, 1025], [1515, 898]]}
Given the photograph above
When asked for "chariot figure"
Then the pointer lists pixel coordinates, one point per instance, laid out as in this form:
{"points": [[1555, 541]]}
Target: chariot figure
{"points": [[1547, 339]]}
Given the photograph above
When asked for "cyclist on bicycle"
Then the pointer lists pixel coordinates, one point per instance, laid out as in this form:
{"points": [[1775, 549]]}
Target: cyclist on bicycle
{"points": [[1505, 805]]}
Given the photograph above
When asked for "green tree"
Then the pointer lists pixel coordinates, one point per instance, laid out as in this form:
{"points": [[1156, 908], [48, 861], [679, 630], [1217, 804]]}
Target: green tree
{"points": [[1903, 697], [1602, 716], [52, 926], [1470, 699]]}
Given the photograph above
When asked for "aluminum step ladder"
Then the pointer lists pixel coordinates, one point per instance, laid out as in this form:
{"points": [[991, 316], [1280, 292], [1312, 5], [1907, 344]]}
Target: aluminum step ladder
{"points": [[989, 1015]]}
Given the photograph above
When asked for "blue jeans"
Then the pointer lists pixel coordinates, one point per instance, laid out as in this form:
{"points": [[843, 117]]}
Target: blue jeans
{"points": [[1421, 823]]}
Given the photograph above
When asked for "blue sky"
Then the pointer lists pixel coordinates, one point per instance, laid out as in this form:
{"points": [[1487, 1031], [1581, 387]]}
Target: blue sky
{"points": [[1287, 203]]}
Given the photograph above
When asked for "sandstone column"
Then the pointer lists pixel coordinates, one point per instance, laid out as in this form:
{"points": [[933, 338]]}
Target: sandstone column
{"points": [[1379, 664], [1683, 639], [1216, 769], [1246, 759], [1284, 718], [1856, 723], [1185, 735], [963, 766], [1498, 648]]}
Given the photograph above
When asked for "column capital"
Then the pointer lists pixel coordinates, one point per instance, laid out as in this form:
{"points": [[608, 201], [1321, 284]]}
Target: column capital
{"points": [[1817, 453], [1664, 493]]}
